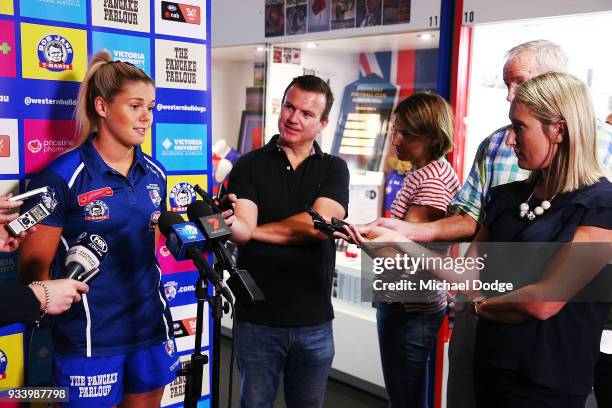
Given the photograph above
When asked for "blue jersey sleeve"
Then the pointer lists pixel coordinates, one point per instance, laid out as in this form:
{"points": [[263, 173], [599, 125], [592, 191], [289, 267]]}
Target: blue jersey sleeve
{"points": [[56, 199]]}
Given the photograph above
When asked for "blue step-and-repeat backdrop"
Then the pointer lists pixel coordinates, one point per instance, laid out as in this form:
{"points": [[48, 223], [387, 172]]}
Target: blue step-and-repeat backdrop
{"points": [[45, 46]]}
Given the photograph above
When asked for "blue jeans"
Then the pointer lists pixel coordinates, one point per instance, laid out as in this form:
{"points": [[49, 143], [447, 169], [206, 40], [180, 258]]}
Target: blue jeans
{"points": [[405, 341], [302, 354]]}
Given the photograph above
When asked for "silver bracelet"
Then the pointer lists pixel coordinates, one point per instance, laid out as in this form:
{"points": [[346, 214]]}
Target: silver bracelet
{"points": [[47, 299], [478, 301]]}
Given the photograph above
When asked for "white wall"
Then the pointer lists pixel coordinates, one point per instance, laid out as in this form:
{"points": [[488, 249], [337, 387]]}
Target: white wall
{"points": [[340, 68], [485, 12], [229, 81], [487, 106], [239, 22]]}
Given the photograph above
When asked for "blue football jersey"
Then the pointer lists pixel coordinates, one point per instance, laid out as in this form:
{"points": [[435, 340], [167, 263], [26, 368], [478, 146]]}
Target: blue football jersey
{"points": [[125, 308]]}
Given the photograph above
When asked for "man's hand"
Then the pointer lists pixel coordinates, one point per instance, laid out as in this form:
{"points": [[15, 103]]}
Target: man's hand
{"points": [[228, 215], [242, 220], [9, 243], [299, 228], [6, 208]]}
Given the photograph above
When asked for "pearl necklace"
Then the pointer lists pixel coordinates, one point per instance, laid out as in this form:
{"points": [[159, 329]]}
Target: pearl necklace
{"points": [[539, 210]]}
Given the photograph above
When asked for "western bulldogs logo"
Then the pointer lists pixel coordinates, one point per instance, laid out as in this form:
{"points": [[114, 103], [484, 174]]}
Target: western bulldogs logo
{"points": [[97, 211], [48, 199], [55, 53], [154, 220], [188, 231], [155, 197], [181, 195], [3, 365], [170, 347], [170, 290]]}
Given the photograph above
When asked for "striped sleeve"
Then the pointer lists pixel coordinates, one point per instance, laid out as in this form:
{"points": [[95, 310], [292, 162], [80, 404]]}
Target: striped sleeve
{"points": [[434, 193], [403, 199], [434, 185]]}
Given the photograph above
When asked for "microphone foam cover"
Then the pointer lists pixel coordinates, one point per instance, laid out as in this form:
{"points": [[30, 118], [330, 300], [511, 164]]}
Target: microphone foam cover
{"points": [[167, 220], [198, 209]]}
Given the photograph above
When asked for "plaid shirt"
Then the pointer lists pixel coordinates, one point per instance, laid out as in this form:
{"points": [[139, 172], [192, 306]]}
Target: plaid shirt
{"points": [[495, 164]]}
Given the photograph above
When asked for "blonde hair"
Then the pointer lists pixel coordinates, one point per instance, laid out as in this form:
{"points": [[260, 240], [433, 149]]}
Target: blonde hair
{"points": [[105, 78], [555, 97], [429, 115]]}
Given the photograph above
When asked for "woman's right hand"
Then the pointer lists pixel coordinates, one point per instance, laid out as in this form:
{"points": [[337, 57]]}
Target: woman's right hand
{"points": [[62, 294], [389, 223], [360, 234]]}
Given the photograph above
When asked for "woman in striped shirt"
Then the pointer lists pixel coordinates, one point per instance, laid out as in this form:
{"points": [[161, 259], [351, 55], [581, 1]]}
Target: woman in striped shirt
{"points": [[422, 133]]}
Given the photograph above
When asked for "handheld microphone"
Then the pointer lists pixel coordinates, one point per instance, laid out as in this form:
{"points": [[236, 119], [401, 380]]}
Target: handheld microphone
{"points": [[209, 200], [215, 229], [211, 224], [85, 256], [185, 241]]}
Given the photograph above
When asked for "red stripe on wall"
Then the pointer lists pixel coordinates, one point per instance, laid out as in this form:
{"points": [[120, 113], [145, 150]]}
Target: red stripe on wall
{"points": [[363, 61], [406, 61], [460, 79]]}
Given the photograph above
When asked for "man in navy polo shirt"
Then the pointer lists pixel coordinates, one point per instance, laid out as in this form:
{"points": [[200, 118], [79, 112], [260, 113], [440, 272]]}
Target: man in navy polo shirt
{"points": [[292, 263]]}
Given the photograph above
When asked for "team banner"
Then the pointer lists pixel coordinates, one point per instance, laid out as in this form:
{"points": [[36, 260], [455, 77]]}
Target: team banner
{"points": [[45, 47]]}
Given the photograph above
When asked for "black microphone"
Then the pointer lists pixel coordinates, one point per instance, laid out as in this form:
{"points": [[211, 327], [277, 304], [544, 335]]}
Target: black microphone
{"points": [[215, 229], [220, 203], [209, 200], [211, 224], [85, 256], [185, 241]]}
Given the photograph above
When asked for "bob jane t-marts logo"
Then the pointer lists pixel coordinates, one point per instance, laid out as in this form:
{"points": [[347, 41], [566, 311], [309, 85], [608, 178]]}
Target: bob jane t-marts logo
{"points": [[55, 53], [3, 365], [97, 211], [181, 195], [181, 13]]}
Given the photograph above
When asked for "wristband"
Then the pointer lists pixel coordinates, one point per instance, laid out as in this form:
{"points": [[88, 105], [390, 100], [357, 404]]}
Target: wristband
{"points": [[47, 299], [481, 300]]}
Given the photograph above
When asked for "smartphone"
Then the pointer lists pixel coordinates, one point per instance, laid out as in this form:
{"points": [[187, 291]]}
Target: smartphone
{"points": [[222, 199], [320, 224], [28, 194]]}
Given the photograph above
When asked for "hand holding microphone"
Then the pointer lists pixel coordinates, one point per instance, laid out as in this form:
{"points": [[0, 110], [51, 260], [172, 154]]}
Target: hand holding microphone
{"points": [[82, 264], [56, 296], [85, 256]]}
